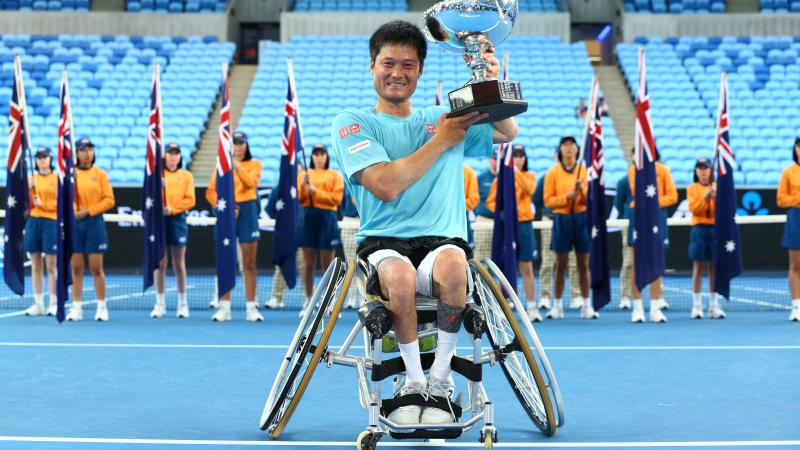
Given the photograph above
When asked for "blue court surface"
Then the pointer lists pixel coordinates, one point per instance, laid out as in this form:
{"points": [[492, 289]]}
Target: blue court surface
{"points": [[139, 383]]}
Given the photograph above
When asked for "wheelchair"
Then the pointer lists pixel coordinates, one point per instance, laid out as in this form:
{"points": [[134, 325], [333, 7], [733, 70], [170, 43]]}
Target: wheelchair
{"points": [[513, 344]]}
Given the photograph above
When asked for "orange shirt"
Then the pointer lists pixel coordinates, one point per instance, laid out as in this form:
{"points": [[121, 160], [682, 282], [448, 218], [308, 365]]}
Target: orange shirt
{"points": [[46, 188], [788, 195], [702, 209], [471, 194], [245, 183], [558, 183], [524, 187], [329, 187], [667, 192], [179, 190], [93, 191]]}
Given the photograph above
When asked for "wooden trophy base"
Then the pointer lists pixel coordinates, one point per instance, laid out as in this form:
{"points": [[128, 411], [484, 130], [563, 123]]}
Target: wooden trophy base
{"points": [[500, 98]]}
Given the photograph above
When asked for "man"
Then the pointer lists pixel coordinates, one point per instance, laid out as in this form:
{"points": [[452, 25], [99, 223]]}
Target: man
{"points": [[404, 168]]}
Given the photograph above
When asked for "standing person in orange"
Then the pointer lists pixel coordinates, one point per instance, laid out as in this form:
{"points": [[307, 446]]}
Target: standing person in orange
{"points": [[472, 198], [788, 197], [524, 187], [178, 198], [246, 175], [565, 191], [93, 197], [40, 232], [667, 196], [320, 192], [701, 196]]}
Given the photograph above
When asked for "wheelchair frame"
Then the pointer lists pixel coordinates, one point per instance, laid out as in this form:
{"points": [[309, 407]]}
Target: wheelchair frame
{"points": [[510, 346]]}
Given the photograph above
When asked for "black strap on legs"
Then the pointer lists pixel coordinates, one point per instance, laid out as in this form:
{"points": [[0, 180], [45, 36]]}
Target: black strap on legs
{"points": [[394, 366]]}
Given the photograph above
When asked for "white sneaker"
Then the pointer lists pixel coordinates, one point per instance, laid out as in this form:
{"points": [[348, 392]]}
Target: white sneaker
{"points": [[183, 311], [716, 312], [575, 303], [794, 315], [101, 313], [407, 415], [222, 315], [625, 303], [660, 304], [52, 309], [544, 303], [556, 312], [252, 313], [159, 310], [351, 302], [534, 315], [303, 309], [439, 388], [697, 312], [588, 312], [75, 313], [637, 314], [36, 309], [214, 304], [656, 316], [272, 303]]}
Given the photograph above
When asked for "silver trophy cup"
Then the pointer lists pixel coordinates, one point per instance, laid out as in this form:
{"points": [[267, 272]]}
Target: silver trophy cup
{"points": [[465, 26]]}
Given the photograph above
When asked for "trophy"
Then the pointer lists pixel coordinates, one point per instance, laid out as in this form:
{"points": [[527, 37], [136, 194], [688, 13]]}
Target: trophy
{"points": [[468, 26]]}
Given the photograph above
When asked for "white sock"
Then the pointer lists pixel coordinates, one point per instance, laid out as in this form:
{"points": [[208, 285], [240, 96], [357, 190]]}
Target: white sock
{"points": [[796, 303], [714, 302], [251, 306], [225, 305], [52, 299], [654, 304], [696, 301], [410, 354], [181, 298], [160, 298], [76, 303], [637, 303], [101, 303], [306, 300], [587, 302], [558, 303], [445, 348], [38, 299]]}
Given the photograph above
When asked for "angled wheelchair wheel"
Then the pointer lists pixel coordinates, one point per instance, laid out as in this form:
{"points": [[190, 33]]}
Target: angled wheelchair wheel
{"points": [[511, 344], [307, 347]]}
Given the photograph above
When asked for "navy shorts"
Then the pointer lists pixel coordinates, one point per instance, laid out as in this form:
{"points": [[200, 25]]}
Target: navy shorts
{"points": [[176, 232], [791, 231], [526, 242], [90, 235], [320, 229], [700, 242], [570, 230], [247, 223], [40, 235], [662, 214]]}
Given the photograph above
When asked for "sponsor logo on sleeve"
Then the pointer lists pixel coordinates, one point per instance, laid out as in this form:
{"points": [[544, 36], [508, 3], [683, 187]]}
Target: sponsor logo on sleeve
{"points": [[431, 128], [358, 147], [350, 129]]}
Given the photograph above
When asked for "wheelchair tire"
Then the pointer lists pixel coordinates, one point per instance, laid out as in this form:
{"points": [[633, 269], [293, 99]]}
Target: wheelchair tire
{"points": [[514, 353], [307, 348]]}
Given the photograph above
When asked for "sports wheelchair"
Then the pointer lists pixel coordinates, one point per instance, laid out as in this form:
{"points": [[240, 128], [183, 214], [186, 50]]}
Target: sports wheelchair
{"points": [[513, 344]]}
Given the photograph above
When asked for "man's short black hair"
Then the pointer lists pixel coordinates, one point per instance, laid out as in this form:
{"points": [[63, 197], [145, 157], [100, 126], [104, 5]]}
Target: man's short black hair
{"points": [[398, 32]]}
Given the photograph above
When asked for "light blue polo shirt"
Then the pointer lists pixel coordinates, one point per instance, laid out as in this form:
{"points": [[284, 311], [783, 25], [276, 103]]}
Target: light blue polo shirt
{"points": [[432, 206]]}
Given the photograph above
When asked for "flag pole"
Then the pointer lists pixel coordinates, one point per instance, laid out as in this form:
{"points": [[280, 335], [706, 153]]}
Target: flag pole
{"points": [[723, 92], [23, 103], [73, 151], [160, 129], [293, 88]]}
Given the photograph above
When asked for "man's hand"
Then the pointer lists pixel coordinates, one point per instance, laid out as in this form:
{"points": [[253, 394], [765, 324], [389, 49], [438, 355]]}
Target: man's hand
{"points": [[573, 195], [236, 165], [452, 130], [711, 192], [487, 52], [81, 214]]}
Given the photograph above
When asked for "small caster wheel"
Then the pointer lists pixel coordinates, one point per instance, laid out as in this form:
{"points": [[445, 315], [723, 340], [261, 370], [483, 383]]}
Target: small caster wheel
{"points": [[368, 440], [488, 437]]}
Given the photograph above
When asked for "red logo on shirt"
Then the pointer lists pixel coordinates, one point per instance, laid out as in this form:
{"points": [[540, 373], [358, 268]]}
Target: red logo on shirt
{"points": [[350, 129], [431, 128]]}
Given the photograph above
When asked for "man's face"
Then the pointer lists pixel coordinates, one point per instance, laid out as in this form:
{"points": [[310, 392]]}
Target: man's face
{"points": [[396, 70]]}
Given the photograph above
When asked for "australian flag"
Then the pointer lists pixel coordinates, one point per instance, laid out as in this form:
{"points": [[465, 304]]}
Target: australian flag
{"points": [[152, 198], [17, 199], [599, 264], [225, 232], [504, 232], [284, 241], [648, 241], [727, 251], [66, 198]]}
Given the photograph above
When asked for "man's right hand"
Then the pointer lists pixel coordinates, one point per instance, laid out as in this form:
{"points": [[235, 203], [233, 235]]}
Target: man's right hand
{"points": [[450, 131]]}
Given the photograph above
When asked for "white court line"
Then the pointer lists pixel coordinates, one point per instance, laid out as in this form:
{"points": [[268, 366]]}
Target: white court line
{"points": [[283, 346], [349, 444], [109, 299], [749, 301]]}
